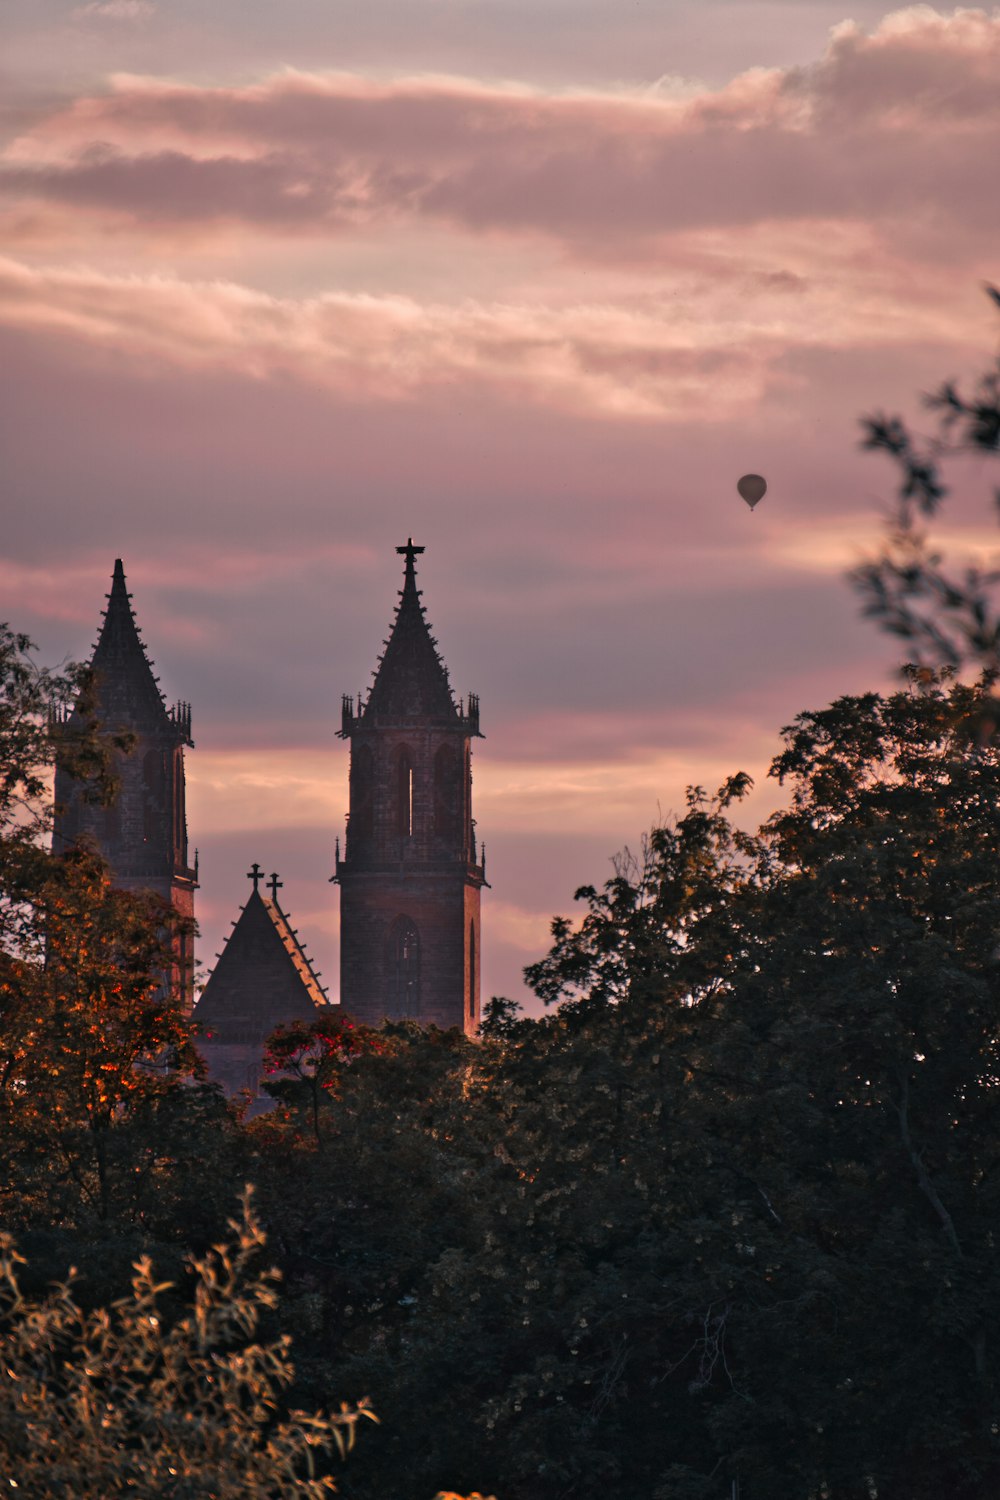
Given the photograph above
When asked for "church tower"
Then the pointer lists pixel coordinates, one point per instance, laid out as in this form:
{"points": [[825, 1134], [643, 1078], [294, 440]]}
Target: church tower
{"points": [[411, 876], [143, 834]]}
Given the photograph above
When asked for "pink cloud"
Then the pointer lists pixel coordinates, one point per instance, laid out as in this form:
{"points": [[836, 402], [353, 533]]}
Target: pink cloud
{"points": [[115, 10], [707, 355], [602, 358], [894, 127]]}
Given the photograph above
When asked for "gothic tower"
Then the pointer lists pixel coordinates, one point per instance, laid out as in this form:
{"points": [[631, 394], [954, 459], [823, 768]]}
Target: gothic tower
{"points": [[410, 877], [143, 834]]}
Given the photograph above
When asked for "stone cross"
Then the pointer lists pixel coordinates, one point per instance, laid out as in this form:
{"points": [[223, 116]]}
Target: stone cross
{"points": [[410, 552]]}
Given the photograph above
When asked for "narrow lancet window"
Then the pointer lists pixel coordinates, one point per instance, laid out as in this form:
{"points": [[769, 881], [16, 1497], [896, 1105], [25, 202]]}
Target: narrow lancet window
{"points": [[404, 793], [447, 792], [403, 966]]}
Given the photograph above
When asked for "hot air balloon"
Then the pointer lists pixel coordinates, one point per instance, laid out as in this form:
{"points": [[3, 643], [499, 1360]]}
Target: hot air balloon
{"points": [[753, 488]]}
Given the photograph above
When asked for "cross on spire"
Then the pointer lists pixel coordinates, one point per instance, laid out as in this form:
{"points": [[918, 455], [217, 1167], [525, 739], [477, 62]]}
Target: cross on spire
{"points": [[256, 875], [275, 886], [410, 552]]}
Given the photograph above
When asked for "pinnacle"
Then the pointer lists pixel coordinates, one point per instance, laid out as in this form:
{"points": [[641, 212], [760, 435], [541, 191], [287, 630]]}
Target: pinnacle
{"points": [[411, 680], [127, 690]]}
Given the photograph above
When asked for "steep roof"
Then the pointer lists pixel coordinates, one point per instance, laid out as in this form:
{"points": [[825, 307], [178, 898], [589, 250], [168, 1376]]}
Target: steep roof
{"points": [[411, 680], [263, 978], [126, 689]]}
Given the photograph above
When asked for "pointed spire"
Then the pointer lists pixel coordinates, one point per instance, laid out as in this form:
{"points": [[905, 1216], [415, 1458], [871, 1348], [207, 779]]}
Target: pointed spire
{"points": [[411, 680], [127, 691]]}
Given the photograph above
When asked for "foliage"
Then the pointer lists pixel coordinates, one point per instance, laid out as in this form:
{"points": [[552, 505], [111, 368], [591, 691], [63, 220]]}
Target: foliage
{"points": [[89, 1038], [946, 618], [127, 1400], [501, 1017], [93, 1047], [104, 1127], [32, 699], [305, 1062], [638, 928], [734, 1220]]}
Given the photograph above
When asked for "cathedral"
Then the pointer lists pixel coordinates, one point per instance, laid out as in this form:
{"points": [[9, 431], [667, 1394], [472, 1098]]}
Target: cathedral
{"points": [[410, 871]]}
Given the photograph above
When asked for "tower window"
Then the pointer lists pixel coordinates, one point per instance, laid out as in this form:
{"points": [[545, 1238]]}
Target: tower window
{"points": [[180, 819], [154, 783], [404, 793], [403, 970], [447, 792], [362, 792], [470, 997]]}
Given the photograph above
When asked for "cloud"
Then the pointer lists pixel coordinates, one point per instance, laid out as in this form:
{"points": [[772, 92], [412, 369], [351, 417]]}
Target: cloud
{"points": [[602, 358], [528, 932], [898, 127], [638, 357], [115, 10], [264, 789]]}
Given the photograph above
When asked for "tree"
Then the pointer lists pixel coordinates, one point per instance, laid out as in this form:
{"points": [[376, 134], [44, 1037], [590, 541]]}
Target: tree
{"points": [[638, 928], [946, 618], [96, 1067], [305, 1062], [849, 1068], [129, 1399], [746, 1201]]}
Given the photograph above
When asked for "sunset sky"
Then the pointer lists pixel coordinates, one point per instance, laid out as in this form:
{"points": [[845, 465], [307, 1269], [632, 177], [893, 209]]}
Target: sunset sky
{"points": [[533, 281]]}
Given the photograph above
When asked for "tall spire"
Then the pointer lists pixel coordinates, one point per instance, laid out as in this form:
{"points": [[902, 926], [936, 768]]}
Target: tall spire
{"points": [[127, 690], [409, 880], [142, 832], [411, 680]]}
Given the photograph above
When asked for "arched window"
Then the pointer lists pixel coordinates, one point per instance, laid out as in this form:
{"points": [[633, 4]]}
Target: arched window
{"points": [[180, 819], [362, 792], [404, 792], [447, 792], [402, 970], [469, 830], [153, 784], [470, 997]]}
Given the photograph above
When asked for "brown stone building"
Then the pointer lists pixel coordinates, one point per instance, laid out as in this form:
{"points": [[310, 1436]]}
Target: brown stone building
{"points": [[411, 875], [262, 979], [143, 834]]}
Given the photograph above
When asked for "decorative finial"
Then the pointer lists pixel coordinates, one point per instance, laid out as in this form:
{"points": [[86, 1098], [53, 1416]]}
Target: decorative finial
{"points": [[410, 552], [275, 886], [256, 875]]}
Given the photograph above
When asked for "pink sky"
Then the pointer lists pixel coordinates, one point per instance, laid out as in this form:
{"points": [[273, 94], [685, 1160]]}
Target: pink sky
{"points": [[534, 283]]}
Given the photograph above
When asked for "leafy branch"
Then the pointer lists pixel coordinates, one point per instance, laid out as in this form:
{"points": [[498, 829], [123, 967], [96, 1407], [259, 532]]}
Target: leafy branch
{"points": [[949, 618]]}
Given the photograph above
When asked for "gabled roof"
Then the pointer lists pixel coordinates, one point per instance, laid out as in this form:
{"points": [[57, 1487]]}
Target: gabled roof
{"points": [[126, 690], [262, 979], [411, 681]]}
